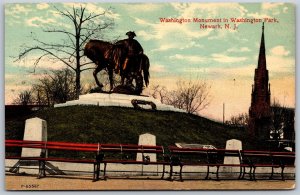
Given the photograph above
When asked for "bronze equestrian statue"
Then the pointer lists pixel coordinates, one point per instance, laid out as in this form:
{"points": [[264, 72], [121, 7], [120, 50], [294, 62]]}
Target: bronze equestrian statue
{"points": [[125, 57]]}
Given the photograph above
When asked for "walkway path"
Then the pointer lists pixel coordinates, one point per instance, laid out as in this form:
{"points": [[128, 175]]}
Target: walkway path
{"points": [[138, 183]]}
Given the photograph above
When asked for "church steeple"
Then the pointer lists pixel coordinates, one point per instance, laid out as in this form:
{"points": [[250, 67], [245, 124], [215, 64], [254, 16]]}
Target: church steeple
{"points": [[261, 78], [260, 110], [262, 51]]}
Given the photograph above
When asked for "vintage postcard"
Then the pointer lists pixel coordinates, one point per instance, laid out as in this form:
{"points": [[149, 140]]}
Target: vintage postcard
{"points": [[149, 96]]}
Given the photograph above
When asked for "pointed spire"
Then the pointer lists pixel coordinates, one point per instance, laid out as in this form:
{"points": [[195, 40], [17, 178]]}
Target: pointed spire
{"points": [[262, 52], [260, 113]]}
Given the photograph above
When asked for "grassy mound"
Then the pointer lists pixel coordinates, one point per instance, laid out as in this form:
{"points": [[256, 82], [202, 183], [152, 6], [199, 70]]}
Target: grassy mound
{"points": [[91, 124]]}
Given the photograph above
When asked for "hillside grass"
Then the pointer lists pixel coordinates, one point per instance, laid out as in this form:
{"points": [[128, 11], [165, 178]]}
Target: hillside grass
{"points": [[92, 124]]}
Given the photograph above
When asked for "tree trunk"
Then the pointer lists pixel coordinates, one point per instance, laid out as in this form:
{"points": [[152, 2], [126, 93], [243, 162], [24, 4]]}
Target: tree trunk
{"points": [[77, 63], [77, 83]]}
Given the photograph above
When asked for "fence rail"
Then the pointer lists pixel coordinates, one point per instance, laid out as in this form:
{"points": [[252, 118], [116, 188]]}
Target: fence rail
{"points": [[125, 154]]}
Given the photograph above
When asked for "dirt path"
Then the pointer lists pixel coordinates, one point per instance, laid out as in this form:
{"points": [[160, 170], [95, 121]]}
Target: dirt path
{"points": [[82, 183]]}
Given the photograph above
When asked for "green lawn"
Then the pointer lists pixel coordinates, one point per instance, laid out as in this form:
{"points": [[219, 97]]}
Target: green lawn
{"points": [[91, 124]]}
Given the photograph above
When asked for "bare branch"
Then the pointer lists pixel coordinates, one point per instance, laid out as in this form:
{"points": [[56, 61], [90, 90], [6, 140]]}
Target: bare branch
{"points": [[48, 52], [87, 63], [69, 50], [191, 96], [92, 68]]}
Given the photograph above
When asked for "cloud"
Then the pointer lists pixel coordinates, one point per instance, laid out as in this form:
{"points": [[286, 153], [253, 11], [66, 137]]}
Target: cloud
{"points": [[55, 13], [268, 10], [280, 65], [191, 44], [197, 70], [189, 58], [38, 21], [271, 6], [45, 63], [210, 10], [259, 15], [157, 68], [238, 50], [16, 9], [144, 7], [42, 6], [227, 59], [93, 8], [142, 22], [165, 47], [231, 72], [161, 30], [15, 13], [164, 30], [285, 10], [279, 51]]}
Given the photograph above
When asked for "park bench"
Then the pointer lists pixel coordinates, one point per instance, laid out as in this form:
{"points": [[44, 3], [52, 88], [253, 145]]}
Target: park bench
{"points": [[102, 153], [255, 159], [63, 146], [204, 157], [126, 154], [188, 157], [216, 158]]}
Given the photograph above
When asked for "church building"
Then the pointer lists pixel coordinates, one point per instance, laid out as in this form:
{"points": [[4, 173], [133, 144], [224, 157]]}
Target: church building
{"points": [[260, 114]]}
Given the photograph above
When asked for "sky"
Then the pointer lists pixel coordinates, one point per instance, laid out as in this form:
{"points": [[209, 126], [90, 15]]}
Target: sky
{"points": [[224, 58]]}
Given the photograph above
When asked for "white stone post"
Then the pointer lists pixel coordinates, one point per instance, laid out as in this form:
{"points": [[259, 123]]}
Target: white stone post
{"points": [[35, 130], [232, 144], [147, 139]]}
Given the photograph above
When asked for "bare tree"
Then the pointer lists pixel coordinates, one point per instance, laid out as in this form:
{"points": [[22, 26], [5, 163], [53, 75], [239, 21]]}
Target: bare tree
{"points": [[24, 98], [69, 50], [283, 121], [55, 87], [190, 96], [241, 120], [159, 92]]}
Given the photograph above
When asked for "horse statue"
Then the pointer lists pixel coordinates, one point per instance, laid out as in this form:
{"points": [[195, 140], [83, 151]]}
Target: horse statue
{"points": [[111, 57]]}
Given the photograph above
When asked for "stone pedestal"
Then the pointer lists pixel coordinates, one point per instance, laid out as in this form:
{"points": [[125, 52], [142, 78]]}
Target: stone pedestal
{"points": [[232, 144], [115, 99], [35, 130], [147, 139]]}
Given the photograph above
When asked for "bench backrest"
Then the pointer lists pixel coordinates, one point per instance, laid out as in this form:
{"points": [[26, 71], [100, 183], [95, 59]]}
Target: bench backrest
{"points": [[201, 155], [267, 157], [113, 150]]}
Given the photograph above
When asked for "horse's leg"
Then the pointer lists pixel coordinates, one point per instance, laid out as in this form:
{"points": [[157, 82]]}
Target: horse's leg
{"points": [[122, 79], [123, 76], [111, 78], [96, 71], [129, 79], [139, 83]]}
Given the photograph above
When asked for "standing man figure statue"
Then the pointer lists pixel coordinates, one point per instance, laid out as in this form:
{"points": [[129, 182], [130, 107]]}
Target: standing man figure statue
{"points": [[134, 51]]}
